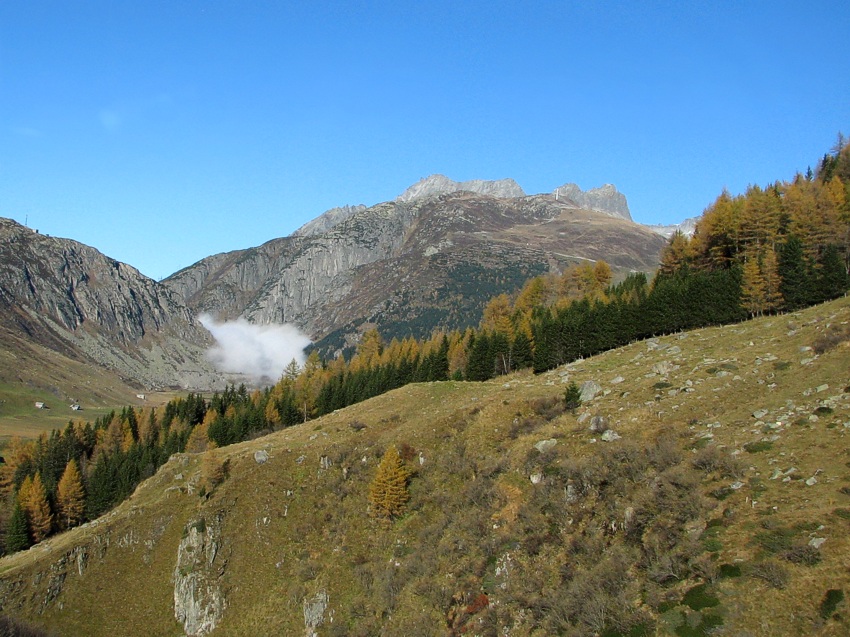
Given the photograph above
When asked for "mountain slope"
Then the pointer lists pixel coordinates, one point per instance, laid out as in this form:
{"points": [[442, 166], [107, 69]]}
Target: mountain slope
{"points": [[74, 300], [701, 483], [410, 265]]}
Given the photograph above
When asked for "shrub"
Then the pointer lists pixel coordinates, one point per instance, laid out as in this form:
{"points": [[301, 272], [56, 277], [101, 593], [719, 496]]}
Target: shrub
{"points": [[548, 408], [771, 571], [17, 628], [831, 338], [830, 602], [699, 597], [803, 554], [730, 570], [778, 540], [756, 447], [213, 472]]}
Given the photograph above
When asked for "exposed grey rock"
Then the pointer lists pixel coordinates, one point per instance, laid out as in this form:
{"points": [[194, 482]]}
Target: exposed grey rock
{"points": [[759, 414], [362, 268], [261, 456], [314, 612], [605, 199], [598, 424], [440, 184], [327, 220], [83, 304], [817, 542], [536, 477], [198, 599], [617, 380], [609, 436], [589, 389], [662, 368], [545, 445]]}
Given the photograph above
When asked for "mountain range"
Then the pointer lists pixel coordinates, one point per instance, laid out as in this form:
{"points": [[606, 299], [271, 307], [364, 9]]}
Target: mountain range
{"points": [[429, 259]]}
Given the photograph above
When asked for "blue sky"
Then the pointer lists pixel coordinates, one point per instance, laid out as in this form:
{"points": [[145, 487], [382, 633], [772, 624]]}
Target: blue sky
{"points": [[163, 132]]}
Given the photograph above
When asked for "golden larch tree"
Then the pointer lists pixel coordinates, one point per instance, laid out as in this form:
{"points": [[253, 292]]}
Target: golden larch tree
{"points": [[70, 498], [33, 499], [388, 492]]}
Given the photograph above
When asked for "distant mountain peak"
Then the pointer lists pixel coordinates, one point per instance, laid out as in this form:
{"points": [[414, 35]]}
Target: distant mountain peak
{"points": [[440, 185], [605, 199]]}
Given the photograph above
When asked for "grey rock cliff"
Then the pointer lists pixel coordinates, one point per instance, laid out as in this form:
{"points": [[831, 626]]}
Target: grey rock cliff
{"points": [[78, 301], [411, 264], [605, 199]]}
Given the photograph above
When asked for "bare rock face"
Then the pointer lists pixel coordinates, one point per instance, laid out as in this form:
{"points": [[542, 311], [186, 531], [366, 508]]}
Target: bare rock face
{"points": [[198, 600], [605, 199], [74, 299], [440, 185], [410, 265]]}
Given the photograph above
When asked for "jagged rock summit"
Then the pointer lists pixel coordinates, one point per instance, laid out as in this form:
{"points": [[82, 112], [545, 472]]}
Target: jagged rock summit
{"points": [[605, 199], [441, 185]]}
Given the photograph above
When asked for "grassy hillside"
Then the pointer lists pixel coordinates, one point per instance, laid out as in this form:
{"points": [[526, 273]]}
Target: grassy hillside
{"points": [[30, 373], [721, 503]]}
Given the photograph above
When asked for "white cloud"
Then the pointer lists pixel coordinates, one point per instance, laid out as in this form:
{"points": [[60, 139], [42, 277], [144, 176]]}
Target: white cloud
{"points": [[259, 351]]}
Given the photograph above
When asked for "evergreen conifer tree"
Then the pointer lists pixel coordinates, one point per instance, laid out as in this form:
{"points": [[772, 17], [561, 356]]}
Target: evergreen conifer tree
{"points": [[17, 533]]}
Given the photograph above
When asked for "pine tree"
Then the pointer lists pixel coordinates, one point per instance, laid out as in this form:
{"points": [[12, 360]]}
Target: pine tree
{"points": [[572, 397], [754, 287], [388, 492], [70, 499], [17, 534], [794, 275]]}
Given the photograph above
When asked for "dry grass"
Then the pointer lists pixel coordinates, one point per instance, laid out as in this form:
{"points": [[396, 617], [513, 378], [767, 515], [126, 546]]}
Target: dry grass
{"points": [[293, 528]]}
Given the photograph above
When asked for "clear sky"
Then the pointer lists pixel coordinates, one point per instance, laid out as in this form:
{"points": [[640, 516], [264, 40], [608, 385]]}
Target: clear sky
{"points": [[161, 132]]}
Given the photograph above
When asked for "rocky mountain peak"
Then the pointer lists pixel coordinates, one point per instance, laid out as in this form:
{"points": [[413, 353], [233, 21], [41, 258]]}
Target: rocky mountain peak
{"points": [[605, 199], [327, 220], [440, 184]]}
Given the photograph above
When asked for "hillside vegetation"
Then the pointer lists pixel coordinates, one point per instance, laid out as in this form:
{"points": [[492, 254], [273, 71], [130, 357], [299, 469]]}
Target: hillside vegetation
{"points": [[702, 484]]}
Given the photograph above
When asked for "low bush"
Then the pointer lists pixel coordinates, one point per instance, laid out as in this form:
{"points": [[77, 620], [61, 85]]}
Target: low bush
{"points": [[830, 602], [759, 446], [770, 571]]}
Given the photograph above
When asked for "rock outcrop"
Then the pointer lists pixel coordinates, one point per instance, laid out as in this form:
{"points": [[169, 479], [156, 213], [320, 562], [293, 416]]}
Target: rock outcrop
{"points": [[198, 600]]}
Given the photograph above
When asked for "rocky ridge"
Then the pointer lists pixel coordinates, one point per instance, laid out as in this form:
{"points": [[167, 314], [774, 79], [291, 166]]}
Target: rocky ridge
{"points": [[81, 303], [415, 263]]}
